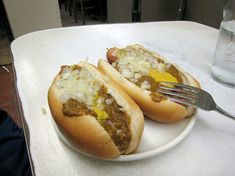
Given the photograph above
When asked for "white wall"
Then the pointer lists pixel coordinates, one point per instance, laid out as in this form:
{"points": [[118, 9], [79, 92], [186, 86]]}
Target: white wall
{"points": [[31, 15]]}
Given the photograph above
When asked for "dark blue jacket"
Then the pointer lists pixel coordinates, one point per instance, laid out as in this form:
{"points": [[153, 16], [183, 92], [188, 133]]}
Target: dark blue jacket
{"points": [[13, 152]]}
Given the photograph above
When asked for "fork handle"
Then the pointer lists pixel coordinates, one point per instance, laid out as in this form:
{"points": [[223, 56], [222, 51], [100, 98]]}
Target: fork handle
{"points": [[220, 110]]}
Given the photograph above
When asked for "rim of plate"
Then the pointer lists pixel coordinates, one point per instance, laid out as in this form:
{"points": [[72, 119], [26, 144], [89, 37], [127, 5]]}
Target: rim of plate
{"points": [[159, 150], [138, 156]]}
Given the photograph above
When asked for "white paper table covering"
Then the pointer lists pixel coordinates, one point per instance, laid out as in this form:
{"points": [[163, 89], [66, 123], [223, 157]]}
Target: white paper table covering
{"points": [[208, 150]]}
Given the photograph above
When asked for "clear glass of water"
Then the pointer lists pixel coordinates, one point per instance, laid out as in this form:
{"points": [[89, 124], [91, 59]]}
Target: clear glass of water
{"points": [[223, 69]]}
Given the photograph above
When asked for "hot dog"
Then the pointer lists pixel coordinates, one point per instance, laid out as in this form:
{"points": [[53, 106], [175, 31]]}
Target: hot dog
{"points": [[93, 114], [139, 72]]}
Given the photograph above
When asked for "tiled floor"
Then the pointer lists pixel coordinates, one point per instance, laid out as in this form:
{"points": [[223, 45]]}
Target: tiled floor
{"points": [[8, 100], [4, 50], [7, 87]]}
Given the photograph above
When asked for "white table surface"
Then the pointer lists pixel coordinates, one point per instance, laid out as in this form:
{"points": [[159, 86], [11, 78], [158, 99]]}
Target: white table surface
{"points": [[208, 150]]}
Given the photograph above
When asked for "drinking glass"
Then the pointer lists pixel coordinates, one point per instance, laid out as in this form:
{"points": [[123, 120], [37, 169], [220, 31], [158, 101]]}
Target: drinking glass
{"points": [[223, 69]]}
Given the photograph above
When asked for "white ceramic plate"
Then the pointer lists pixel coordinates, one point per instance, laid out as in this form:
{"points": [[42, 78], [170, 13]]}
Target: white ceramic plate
{"points": [[38, 57], [157, 138]]}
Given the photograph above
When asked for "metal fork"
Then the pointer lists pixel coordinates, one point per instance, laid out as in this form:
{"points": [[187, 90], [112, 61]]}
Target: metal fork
{"points": [[192, 96]]}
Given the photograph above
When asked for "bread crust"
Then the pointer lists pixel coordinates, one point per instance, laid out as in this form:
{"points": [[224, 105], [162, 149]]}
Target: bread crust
{"points": [[165, 111], [85, 133]]}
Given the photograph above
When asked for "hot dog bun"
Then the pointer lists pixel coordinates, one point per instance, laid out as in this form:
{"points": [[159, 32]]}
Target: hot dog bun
{"points": [[152, 68], [82, 100]]}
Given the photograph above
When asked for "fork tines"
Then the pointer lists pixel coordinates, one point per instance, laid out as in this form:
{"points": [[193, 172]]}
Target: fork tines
{"points": [[179, 93]]}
